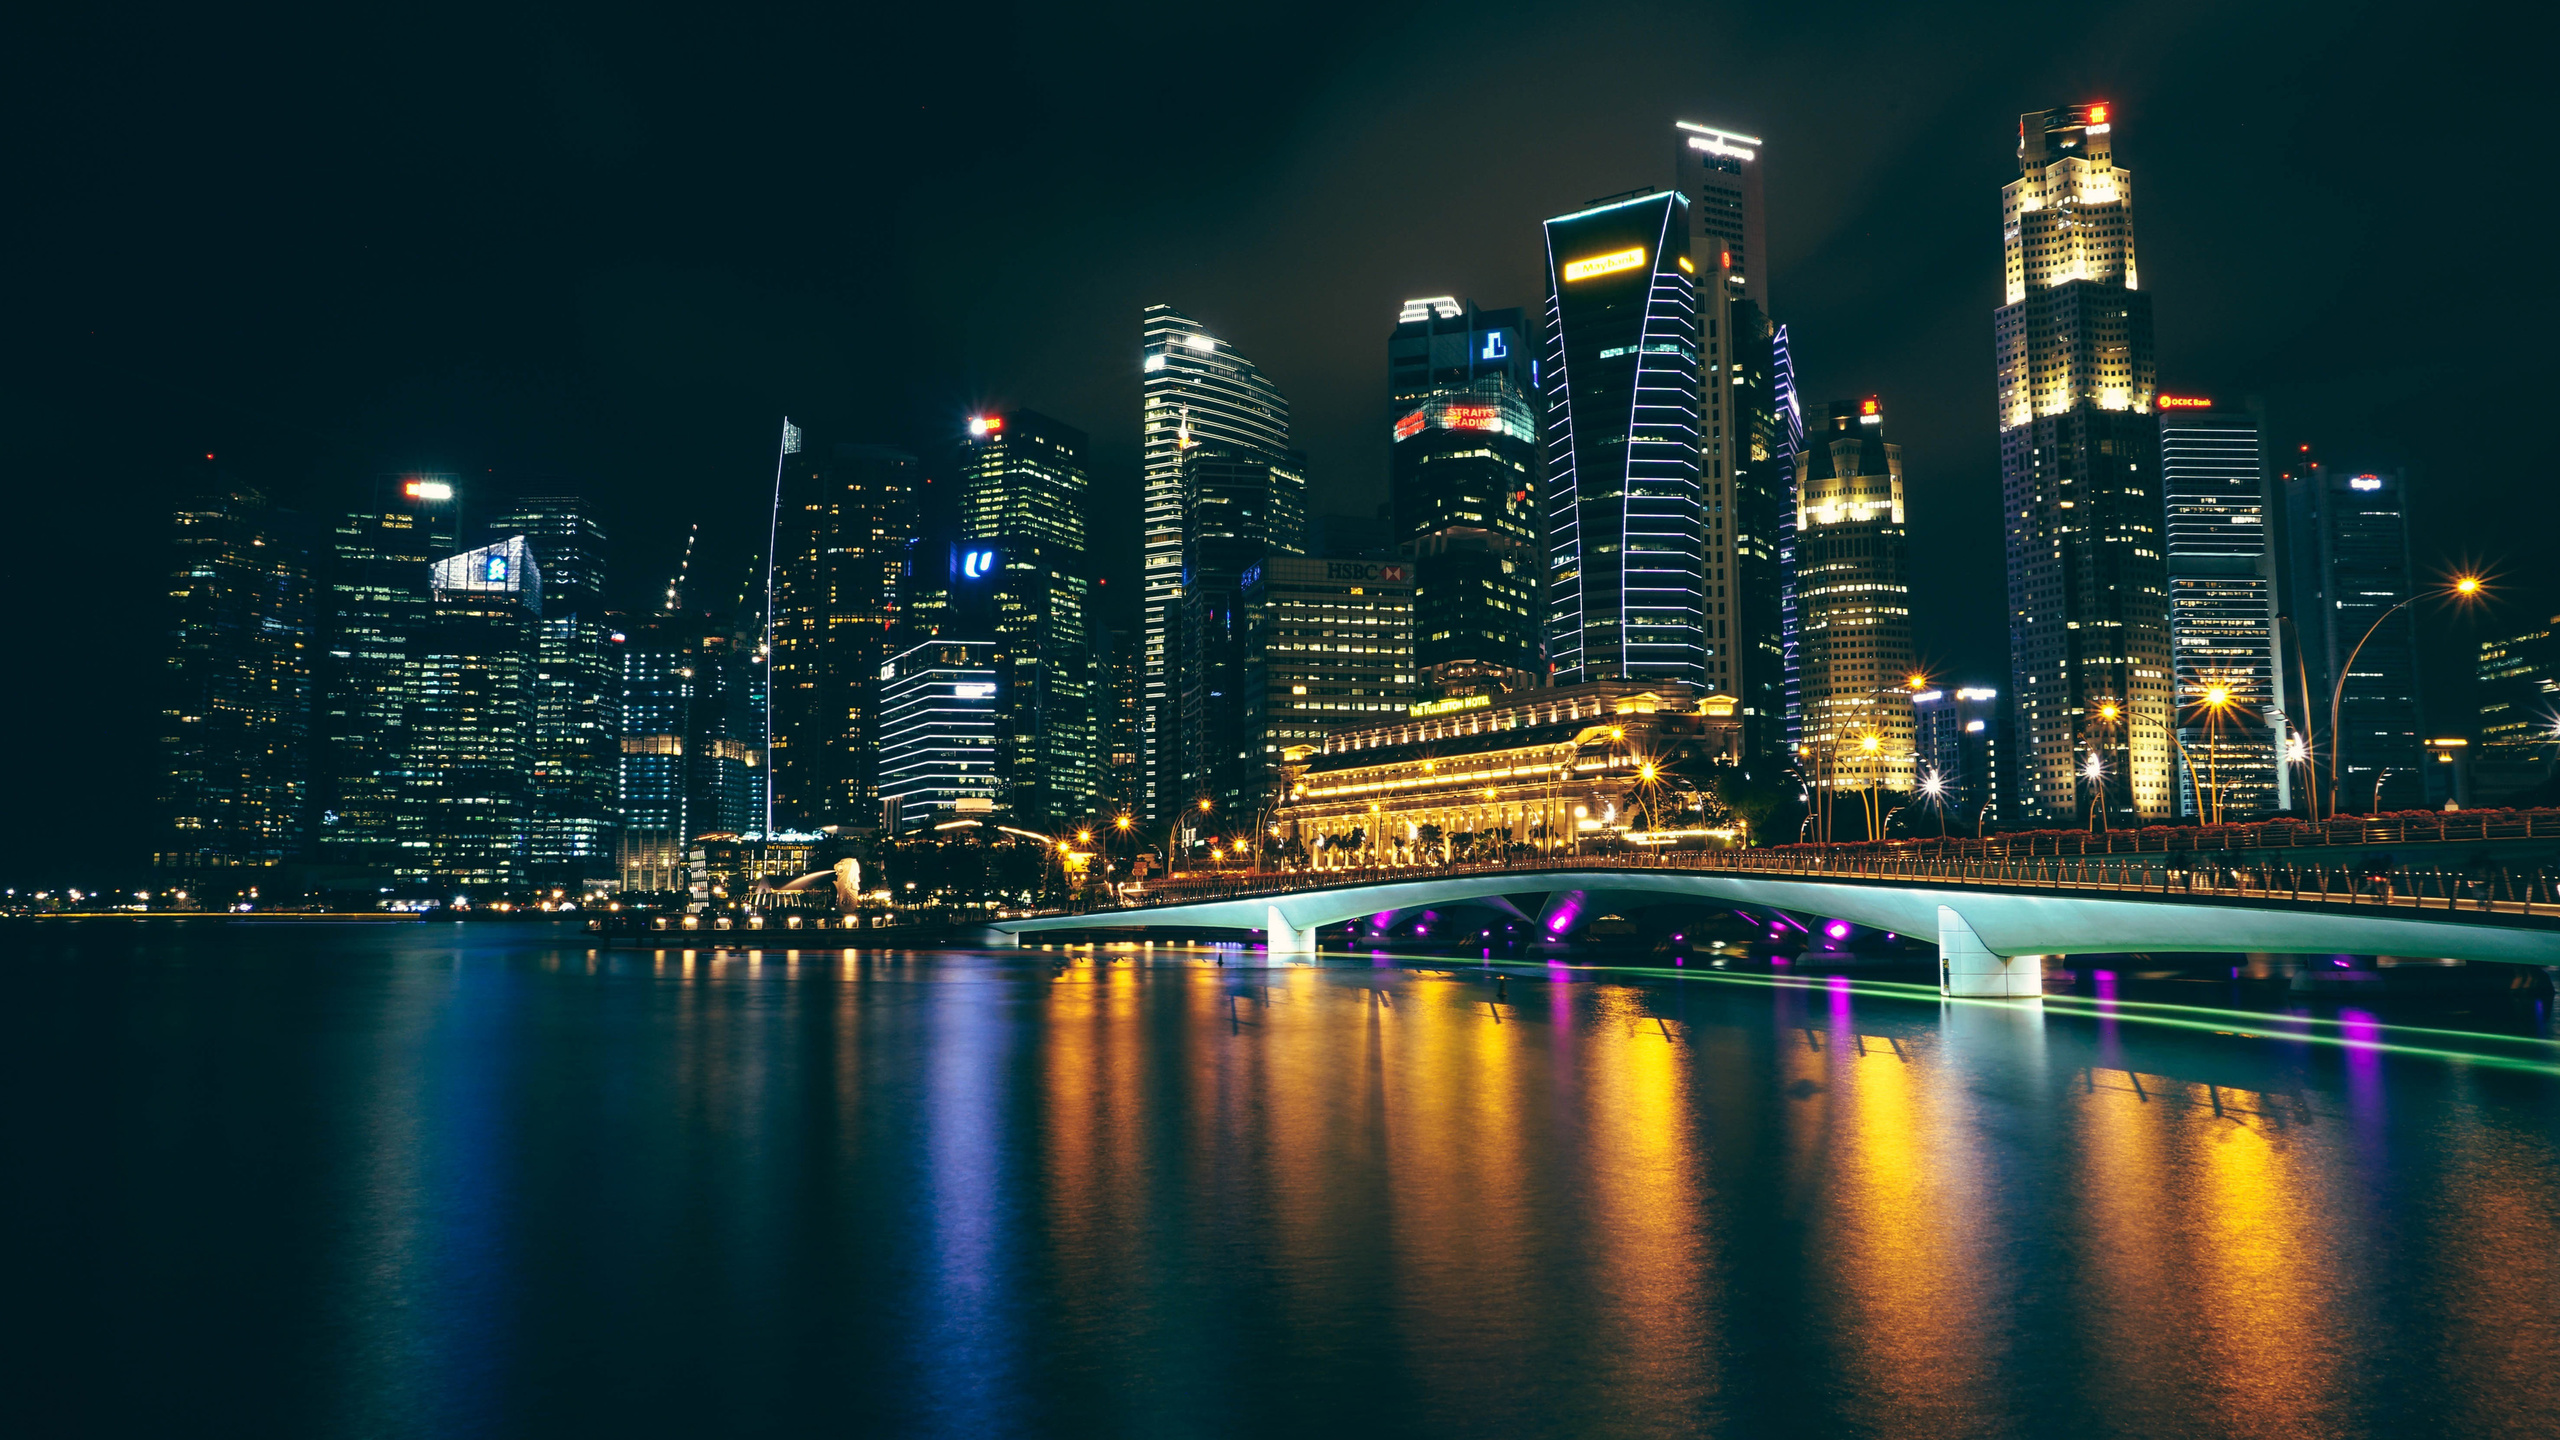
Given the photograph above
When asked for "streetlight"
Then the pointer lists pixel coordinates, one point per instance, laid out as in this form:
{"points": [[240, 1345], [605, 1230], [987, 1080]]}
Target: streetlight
{"points": [[2463, 590], [2217, 699], [1933, 788], [2096, 773]]}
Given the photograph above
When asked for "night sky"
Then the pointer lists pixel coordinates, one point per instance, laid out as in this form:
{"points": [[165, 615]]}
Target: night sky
{"points": [[601, 250]]}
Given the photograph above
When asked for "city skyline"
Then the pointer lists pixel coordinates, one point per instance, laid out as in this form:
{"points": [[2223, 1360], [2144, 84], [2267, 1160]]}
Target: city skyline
{"points": [[1951, 635]]}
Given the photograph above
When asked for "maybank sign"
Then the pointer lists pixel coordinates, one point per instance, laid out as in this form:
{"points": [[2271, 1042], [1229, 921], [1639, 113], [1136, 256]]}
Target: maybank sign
{"points": [[1445, 707], [1609, 264]]}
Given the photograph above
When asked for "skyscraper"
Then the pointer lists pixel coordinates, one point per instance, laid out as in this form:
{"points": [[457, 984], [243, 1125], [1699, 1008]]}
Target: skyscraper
{"points": [[1746, 435], [2519, 678], [2347, 542], [1239, 508], [577, 692], [235, 698], [657, 714], [1625, 586], [469, 717], [1023, 513], [376, 603], [1955, 734], [1463, 472], [1198, 391], [1330, 647], [1853, 593], [849, 517], [1787, 441], [2222, 611], [937, 732], [2079, 469]]}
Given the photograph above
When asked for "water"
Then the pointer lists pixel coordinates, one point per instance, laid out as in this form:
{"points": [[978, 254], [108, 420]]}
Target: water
{"points": [[483, 1180]]}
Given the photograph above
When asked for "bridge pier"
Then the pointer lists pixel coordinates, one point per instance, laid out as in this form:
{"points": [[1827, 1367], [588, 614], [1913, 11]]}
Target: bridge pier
{"points": [[1966, 966], [1280, 938]]}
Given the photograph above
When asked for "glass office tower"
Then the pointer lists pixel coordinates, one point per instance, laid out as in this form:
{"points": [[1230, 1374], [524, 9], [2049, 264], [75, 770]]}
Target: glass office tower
{"points": [[849, 516], [1197, 391], [469, 717], [1625, 596], [2347, 543], [376, 603], [577, 692], [2223, 641]]}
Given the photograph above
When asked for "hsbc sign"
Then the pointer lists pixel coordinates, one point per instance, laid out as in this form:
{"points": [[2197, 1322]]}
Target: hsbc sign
{"points": [[1384, 574]]}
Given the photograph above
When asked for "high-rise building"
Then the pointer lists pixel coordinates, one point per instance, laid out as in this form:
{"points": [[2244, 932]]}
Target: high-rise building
{"points": [[1625, 578], [2090, 680], [2223, 642], [1853, 593], [724, 737], [469, 715], [1198, 392], [1956, 736], [937, 732], [376, 603], [1787, 441], [1463, 472], [1239, 509], [1022, 474], [2519, 686], [657, 715], [1719, 172], [1330, 646], [849, 518], [1124, 691], [577, 692], [1023, 515], [235, 698], [2347, 562]]}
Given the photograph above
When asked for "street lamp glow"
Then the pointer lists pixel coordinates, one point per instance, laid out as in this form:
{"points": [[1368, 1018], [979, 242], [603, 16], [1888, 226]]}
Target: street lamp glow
{"points": [[2107, 711], [2217, 696], [1122, 823], [2468, 585]]}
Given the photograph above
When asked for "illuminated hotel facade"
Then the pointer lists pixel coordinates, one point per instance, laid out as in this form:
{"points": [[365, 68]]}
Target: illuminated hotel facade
{"points": [[1485, 777], [1196, 391], [2223, 640], [1625, 577], [1853, 594], [2090, 678]]}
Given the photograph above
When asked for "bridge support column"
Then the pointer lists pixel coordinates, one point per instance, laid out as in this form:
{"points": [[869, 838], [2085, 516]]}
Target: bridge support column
{"points": [[1966, 966], [1282, 939]]}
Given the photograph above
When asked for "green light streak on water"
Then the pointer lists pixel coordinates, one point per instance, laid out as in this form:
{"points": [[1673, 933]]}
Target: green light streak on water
{"points": [[2236, 1022]]}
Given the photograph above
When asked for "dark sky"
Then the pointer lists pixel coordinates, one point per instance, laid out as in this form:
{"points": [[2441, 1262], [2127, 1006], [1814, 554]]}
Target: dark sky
{"points": [[604, 250]]}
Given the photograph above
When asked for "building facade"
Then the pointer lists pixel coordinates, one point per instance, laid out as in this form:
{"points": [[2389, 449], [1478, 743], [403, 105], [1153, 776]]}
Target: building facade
{"points": [[376, 603], [577, 692], [2347, 563], [1625, 577], [1198, 391], [1240, 509], [235, 693], [1956, 736], [2090, 679], [1463, 474], [2224, 645], [1486, 777], [1022, 474], [469, 718], [1853, 598], [848, 519], [937, 733], [657, 717], [2519, 686], [1329, 647]]}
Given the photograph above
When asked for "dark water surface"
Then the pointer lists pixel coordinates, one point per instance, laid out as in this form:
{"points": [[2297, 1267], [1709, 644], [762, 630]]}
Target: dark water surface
{"points": [[453, 1180]]}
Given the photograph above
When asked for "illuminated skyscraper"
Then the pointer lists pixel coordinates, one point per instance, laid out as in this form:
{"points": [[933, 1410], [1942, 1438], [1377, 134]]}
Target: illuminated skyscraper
{"points": [[1239, 509], [1747, 432], [577, 692], [376, 603], [848, 520], [2347, 542], [235, 699], [938, 732], [1330, 647], [1853, 592], [1625, 588], [1464, 475], [1022, 474], [1198, 391], [2222, 611], [2519, 680], [469, 717], [2088, 589], [657, 714], [1022, 511]]}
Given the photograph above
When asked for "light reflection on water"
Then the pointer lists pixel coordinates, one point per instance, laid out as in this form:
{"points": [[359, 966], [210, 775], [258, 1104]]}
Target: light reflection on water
{"points": [[441, 1182]]}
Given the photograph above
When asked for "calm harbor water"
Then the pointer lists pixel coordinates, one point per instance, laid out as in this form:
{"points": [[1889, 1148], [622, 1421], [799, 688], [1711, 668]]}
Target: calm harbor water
{"points": [[476, 1180]]}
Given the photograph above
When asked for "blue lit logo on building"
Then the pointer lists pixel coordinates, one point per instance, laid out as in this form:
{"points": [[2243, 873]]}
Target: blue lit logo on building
{"points": [[977, 563], [1494, 347], [496, 572]]}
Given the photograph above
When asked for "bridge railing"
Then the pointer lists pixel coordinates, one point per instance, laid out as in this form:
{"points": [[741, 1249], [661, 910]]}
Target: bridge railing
{"points": [[2405, 827], [2208, 875]]}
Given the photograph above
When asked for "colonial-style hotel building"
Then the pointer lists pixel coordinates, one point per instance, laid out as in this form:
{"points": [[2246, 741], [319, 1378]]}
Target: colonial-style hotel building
{"points": [[1532, 772]]}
